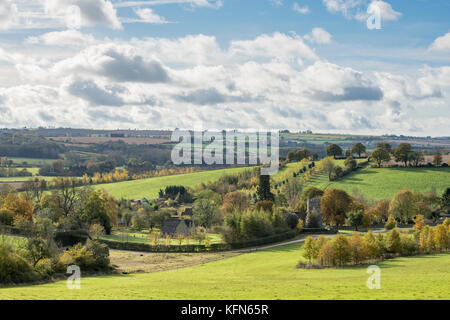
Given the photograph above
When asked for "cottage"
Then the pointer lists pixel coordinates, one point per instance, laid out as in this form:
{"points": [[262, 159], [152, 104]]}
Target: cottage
{"points": [[174, 226]]}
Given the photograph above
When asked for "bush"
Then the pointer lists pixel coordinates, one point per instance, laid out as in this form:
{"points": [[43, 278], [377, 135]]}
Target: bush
{"points": [[94, 256], [391, 223], [15, 269], [6, 217]]}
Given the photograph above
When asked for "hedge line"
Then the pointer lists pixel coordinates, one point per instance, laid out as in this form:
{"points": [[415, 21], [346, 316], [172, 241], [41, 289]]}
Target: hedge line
{"points": [[133, 246]]}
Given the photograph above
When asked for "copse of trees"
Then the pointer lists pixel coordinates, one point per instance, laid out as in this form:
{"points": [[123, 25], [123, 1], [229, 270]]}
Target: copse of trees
{"points": [[355, 250], [380, 155]]}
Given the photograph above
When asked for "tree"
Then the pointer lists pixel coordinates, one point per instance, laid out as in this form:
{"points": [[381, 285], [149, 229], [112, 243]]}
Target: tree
{"points": [[334, 150], [327, 166], [403, 206], [419, 222], [391, 223], [302, 154], [386, 146], [359, 148], [393, 242], [350, 163], [66, 194], [381, 210], [401, 153], [341, 249], [355, 219], [437, 159], [310, 249], [235, 201], [335, 204], [445, 200], [96, 230], [415, 158], [380, 155], [205, 213], [94, 210], [263, 191], [441, 237]]}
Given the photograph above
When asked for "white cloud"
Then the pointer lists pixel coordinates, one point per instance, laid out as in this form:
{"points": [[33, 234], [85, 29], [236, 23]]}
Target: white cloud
{"points": [[319, 35], [358, 9], [276, 3], [93, 12], [441, 43], [8, 14], [67, 38], [148, 16], [302, 10], [271, 81], [193, 3]]}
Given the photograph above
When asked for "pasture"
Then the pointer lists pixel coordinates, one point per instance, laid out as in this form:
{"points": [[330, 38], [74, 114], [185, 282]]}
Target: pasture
{"points": [[149, 188], [269, 274], [384, 183]]}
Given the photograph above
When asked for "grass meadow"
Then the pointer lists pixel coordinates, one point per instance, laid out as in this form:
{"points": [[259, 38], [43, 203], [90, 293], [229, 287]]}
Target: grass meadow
{"points": [[149, 188], [384, 183], [269, 274]]}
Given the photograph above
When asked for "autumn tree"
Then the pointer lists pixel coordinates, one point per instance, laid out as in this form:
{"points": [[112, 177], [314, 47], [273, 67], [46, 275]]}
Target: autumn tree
{"points": [[393, 242], [437, 159], [335, 204], [381, 210], [235, 201], [341, 250], [310, 249], [419, 222], [403, 206]]}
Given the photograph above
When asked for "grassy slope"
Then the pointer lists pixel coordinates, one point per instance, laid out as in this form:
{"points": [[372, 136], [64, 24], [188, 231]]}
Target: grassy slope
{"points": [[149, 188], [269, 274], [384, 183]]}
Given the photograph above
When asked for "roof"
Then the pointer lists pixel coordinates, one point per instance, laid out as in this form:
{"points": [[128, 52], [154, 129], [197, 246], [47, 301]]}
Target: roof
{"points": [[170, 225]]}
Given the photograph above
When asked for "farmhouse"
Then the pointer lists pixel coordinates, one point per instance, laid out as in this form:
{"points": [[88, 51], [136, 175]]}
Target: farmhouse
{"points": [[174, 226]]}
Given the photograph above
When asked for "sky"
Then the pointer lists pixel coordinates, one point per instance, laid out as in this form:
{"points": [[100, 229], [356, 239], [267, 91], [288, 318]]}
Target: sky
{"points": [[337, 66]]}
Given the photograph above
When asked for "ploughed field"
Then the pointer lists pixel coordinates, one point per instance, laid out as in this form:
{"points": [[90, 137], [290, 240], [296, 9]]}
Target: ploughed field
{"points": [[268, 274]]}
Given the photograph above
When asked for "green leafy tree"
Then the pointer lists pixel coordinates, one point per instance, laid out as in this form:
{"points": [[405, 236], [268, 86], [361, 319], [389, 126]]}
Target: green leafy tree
{"points": [[205, 213], [381, 155], [334, 150], [401, 153], [359, 148], [355, 219]]}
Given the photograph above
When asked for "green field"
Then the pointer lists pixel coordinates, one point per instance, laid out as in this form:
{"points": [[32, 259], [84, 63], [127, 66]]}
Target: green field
{"points": [[384, 183], [13, 241], [269, 274], [32, 161], [140, 237], [149, 188]]}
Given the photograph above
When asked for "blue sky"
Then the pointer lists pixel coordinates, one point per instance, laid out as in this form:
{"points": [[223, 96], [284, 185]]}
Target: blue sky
{"points": [[306, 64]]}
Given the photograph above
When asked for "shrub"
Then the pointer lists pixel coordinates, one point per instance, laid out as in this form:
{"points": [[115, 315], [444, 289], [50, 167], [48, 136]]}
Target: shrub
{"points": [[14, 269], [292, 220], [6, 217], [94, 256], [391, 223]]}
